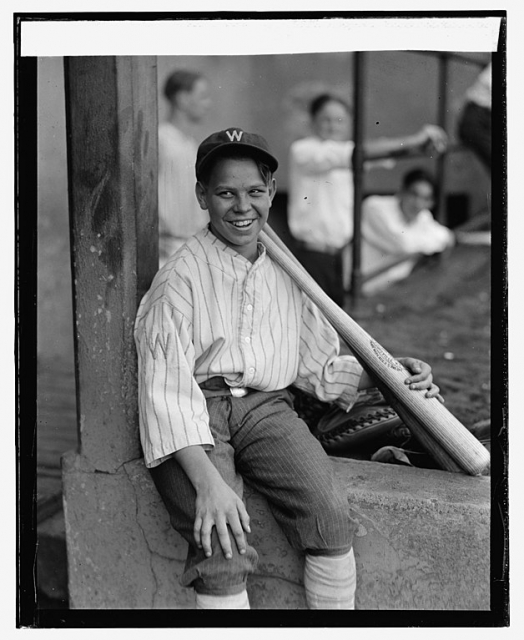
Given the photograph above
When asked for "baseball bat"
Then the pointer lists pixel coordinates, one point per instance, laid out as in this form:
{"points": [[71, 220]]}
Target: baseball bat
{"points": [[433, 447], [454, 447]]}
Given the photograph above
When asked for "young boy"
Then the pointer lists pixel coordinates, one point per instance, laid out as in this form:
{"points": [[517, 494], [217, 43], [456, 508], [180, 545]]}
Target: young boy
{"points": [[179, 216], [221, 335]]}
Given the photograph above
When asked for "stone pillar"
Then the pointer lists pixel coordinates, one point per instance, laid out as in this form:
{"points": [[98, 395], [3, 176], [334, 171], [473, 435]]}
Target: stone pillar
{"points": [[111, 117], [112, 156]]}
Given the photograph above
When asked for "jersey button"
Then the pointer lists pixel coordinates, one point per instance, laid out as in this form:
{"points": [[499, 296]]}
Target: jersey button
{"points": [[250, 307], [248, 339]]}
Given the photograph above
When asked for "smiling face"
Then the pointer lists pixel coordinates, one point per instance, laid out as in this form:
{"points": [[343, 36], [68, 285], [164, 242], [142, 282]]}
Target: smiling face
{"points": [[332, 121], [238, 200]]}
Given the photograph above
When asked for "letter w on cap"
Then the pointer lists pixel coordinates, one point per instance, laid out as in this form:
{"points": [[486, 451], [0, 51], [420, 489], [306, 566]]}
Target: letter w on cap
{"points": [[234, 135]]}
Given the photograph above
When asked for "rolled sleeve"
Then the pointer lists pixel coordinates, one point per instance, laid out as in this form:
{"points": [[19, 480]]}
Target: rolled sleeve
{"points": [[322, 371]]}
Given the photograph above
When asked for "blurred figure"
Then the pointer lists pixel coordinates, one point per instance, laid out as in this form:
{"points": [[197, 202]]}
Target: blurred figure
{"points": [[180, 216], [321, 186], [397, 230], [474, 125]]}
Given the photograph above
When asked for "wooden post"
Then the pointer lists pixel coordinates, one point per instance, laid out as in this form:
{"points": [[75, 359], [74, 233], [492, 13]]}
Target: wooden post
{"points": [[443, 61], [111, 117], [358, 175]]}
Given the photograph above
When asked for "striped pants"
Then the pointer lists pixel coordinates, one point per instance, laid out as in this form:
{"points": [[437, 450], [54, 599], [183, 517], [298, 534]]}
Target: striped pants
{"points": [[261, 439]]}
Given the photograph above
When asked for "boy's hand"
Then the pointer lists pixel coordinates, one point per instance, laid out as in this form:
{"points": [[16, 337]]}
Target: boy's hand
{"points": [[421, 377], [432, 139], [216, 504], [219, 506], [437, 139]]}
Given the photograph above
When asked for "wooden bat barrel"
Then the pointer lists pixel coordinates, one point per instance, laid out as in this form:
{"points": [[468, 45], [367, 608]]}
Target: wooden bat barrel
{"points": [[457, 449]]}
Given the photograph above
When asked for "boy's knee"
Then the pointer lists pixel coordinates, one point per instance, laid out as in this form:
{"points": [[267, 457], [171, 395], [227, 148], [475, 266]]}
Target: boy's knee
{"points": [[329, 503], [328, 528], [216, 575], [337, 527]]}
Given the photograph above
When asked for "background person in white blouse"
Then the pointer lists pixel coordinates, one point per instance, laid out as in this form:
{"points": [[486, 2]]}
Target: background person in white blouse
{"points": [[320, 206], [179, 216], [400, 227], [221, 335]]}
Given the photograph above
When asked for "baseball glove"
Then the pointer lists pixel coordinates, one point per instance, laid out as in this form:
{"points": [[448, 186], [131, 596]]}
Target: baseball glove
{"points": [[364, 429]]}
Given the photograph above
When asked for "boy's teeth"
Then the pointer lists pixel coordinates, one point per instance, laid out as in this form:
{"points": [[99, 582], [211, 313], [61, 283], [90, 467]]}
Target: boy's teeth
{"points": [[242, 223]]}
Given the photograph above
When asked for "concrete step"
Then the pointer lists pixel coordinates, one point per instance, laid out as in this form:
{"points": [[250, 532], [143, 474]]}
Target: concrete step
{"points": [[423, 541]]}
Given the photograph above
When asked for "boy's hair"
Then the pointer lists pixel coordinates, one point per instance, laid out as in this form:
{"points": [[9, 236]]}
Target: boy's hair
{"points": [[418, 175], [318, 103], [180, 80], [237, 154]]}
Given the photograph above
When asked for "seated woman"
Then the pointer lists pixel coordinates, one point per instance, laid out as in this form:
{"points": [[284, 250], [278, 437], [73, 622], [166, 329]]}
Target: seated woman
{"points": [[397, 230]]}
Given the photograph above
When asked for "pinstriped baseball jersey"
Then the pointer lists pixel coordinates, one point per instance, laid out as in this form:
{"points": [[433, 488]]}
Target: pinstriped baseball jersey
{"points": [[211, 312]]}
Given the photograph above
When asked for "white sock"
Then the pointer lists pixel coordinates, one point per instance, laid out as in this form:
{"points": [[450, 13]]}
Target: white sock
{"points": [[330, 581], [234, 601]]}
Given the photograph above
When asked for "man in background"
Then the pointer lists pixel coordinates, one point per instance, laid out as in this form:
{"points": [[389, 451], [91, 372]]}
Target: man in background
{"points": [[180, 216]]}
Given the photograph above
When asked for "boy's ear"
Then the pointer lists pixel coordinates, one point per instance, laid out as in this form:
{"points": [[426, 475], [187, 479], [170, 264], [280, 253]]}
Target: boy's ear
{"points": [[272, 189], [201, 195]]}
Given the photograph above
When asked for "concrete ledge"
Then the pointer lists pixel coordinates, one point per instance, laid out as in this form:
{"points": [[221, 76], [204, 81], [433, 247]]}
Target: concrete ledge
{"points": [[122, 552], [423, 541], [424, 537]]}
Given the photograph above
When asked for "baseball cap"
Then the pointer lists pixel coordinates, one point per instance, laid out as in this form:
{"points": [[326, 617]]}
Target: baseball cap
{"points": [[233, 138]]}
